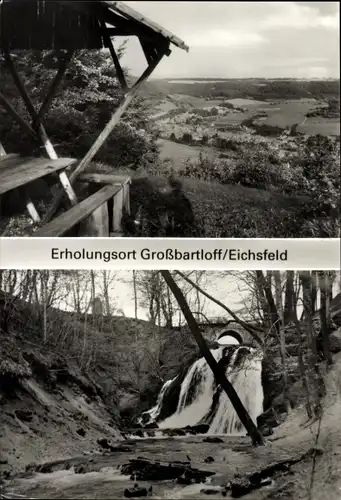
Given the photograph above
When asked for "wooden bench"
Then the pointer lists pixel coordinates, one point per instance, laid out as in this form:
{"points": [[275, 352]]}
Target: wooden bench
{"points": [[64, 222], [16, 171]]}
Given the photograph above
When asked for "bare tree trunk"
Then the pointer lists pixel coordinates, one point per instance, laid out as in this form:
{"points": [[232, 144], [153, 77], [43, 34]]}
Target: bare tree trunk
{"points": [[93, 284], [266, 285], [106, 292], [135, 293], [279, 305], [218, 372], [289, 295], [316, 377], [325, 284], [314, 286]]}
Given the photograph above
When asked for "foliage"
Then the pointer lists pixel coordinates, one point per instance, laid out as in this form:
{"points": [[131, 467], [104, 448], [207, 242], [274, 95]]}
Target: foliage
{"points": [[87, 96]]}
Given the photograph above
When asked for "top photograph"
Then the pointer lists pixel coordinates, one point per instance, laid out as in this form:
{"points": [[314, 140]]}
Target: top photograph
{"points": [[169, 119]]}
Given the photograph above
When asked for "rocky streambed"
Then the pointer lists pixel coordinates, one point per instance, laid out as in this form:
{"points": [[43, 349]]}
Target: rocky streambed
{"points": [[194, 466]]}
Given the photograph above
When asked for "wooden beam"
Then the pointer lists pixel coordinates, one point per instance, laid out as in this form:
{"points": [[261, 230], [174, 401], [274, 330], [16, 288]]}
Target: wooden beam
{"points": [[2, 150], [29, 203], [11, 111], [126, 198], [76, 214], [105, 178], [129, 96], [118, 212], [40, 127], [52, 90], [112, 122], [118, 67], [139, 19], [27, 170], [30, 206]]}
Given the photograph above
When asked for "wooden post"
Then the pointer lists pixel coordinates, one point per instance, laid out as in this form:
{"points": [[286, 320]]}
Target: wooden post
{"points": [[126, 197], [2, 150], [112, 122], [10, 110], [41, 129], [109, 45], [118, 212], [129, 96]]}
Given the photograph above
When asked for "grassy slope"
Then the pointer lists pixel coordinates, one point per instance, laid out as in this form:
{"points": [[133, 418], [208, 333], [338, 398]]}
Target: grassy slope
{"points": [[220, 210]]}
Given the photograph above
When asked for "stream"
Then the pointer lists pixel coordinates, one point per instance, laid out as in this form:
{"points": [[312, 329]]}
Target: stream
{"points": [[98, 475]]}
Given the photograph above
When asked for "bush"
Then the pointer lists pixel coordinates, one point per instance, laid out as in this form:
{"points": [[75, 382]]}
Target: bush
{"points": [[86, 99]]}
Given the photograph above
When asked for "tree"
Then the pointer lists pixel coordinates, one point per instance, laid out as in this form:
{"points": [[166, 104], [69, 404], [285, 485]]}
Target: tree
{"points": [[256, 436], [84, 102], [325, 281], [314, 371], [279, 304]]}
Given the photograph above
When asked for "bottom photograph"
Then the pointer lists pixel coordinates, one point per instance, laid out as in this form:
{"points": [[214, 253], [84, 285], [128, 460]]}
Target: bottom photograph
{"points": [[169, 384]]}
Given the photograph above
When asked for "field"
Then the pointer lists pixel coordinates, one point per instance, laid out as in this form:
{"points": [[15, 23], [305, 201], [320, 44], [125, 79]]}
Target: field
{"points": [[179, 153], [285, 103]]}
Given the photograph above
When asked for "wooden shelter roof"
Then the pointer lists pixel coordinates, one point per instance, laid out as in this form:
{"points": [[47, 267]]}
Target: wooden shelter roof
{"points": [[65, 24]]}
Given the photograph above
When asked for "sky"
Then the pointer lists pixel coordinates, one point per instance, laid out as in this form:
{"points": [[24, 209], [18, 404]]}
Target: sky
{"points": [[228, 290], [244, 39]]}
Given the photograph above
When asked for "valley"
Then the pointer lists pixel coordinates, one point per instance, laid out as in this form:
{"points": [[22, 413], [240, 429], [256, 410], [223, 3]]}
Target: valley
{"points": [[107, 406]]}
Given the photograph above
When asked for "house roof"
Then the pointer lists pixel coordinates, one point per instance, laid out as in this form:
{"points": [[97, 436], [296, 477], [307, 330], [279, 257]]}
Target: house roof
{"points": [[66, 24]]}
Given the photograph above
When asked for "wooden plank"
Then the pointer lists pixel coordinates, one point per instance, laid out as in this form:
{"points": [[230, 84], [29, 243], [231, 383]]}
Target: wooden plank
{"points": [[104, 178], [76, 214], [118, 212], [5, 157], [29, 170], [9, 160], [126, 198]]}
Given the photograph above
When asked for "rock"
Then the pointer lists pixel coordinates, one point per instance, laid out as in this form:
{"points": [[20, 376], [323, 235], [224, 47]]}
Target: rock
{"points": [[269, 419], [135, 492], [266, 431], [81, 469], [240, 487], [24, 415], [197, 429], [174, 432], [212, 439], [151, 425], [81, 432], [209, 460], [145, 470], [335, 341], [103, 442], [210, 491]]}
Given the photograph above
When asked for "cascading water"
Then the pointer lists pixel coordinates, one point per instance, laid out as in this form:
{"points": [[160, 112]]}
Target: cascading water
{"points": [[197, 390], [202, 401], [152, 414]]}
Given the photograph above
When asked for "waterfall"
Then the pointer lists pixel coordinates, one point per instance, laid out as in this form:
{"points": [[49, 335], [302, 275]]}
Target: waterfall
{"points": [[202, 401], [196, 394], [152, 414]]}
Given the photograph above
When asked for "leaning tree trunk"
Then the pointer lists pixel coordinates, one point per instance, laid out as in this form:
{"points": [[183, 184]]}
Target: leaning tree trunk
{"points": [[218, 372]]}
